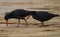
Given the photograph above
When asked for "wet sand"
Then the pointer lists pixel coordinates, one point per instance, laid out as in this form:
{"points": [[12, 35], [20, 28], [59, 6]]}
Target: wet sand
{"points": [[31, 31], [52, 30]]}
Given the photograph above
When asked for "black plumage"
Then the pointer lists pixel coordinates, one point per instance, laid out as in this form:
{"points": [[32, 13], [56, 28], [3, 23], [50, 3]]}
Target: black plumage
{"points": [[42, 16], [17, 14]]}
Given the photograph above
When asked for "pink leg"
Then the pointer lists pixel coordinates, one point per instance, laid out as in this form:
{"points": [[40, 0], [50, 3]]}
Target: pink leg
{"points": [[26, 23], [18, 22]]}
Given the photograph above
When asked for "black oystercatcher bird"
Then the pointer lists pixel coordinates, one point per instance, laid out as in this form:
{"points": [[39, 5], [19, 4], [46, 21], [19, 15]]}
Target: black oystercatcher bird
{"points": [[17, 14], [42, 16]]}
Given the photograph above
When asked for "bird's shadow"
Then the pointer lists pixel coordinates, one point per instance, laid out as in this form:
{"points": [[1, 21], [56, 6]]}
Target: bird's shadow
{"points": [[47, 25]]}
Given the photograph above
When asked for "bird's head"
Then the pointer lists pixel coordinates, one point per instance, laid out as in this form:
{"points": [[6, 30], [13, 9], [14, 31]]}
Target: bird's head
{"points": [[7, 16], [32, 12], [29, 13]]}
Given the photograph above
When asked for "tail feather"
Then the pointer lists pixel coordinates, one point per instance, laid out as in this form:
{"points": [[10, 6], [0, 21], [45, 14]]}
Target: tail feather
{"points": [[57, 15]]}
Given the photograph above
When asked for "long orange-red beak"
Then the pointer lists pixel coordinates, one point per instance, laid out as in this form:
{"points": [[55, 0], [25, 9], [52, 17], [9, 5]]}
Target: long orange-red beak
{"points": [[28, 17], [7, 23]]}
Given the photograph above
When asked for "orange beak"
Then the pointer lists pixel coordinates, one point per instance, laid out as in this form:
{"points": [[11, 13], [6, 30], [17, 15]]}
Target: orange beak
{"points": [[7, 23], [28, 17]]}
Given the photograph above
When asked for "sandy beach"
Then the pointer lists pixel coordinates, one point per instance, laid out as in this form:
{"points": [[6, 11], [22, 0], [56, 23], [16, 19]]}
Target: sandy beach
{"points": [[31, 31], [51, 29]]}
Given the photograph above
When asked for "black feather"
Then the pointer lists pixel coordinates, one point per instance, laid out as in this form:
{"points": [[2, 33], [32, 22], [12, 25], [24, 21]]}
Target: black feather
{"points": [[42, 15], [18, 14]]}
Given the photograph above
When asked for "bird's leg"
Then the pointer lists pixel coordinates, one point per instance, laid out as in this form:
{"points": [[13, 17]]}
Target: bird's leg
{"points": [[42, 24], [18, 22], [7, 23], [26, 23]]}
